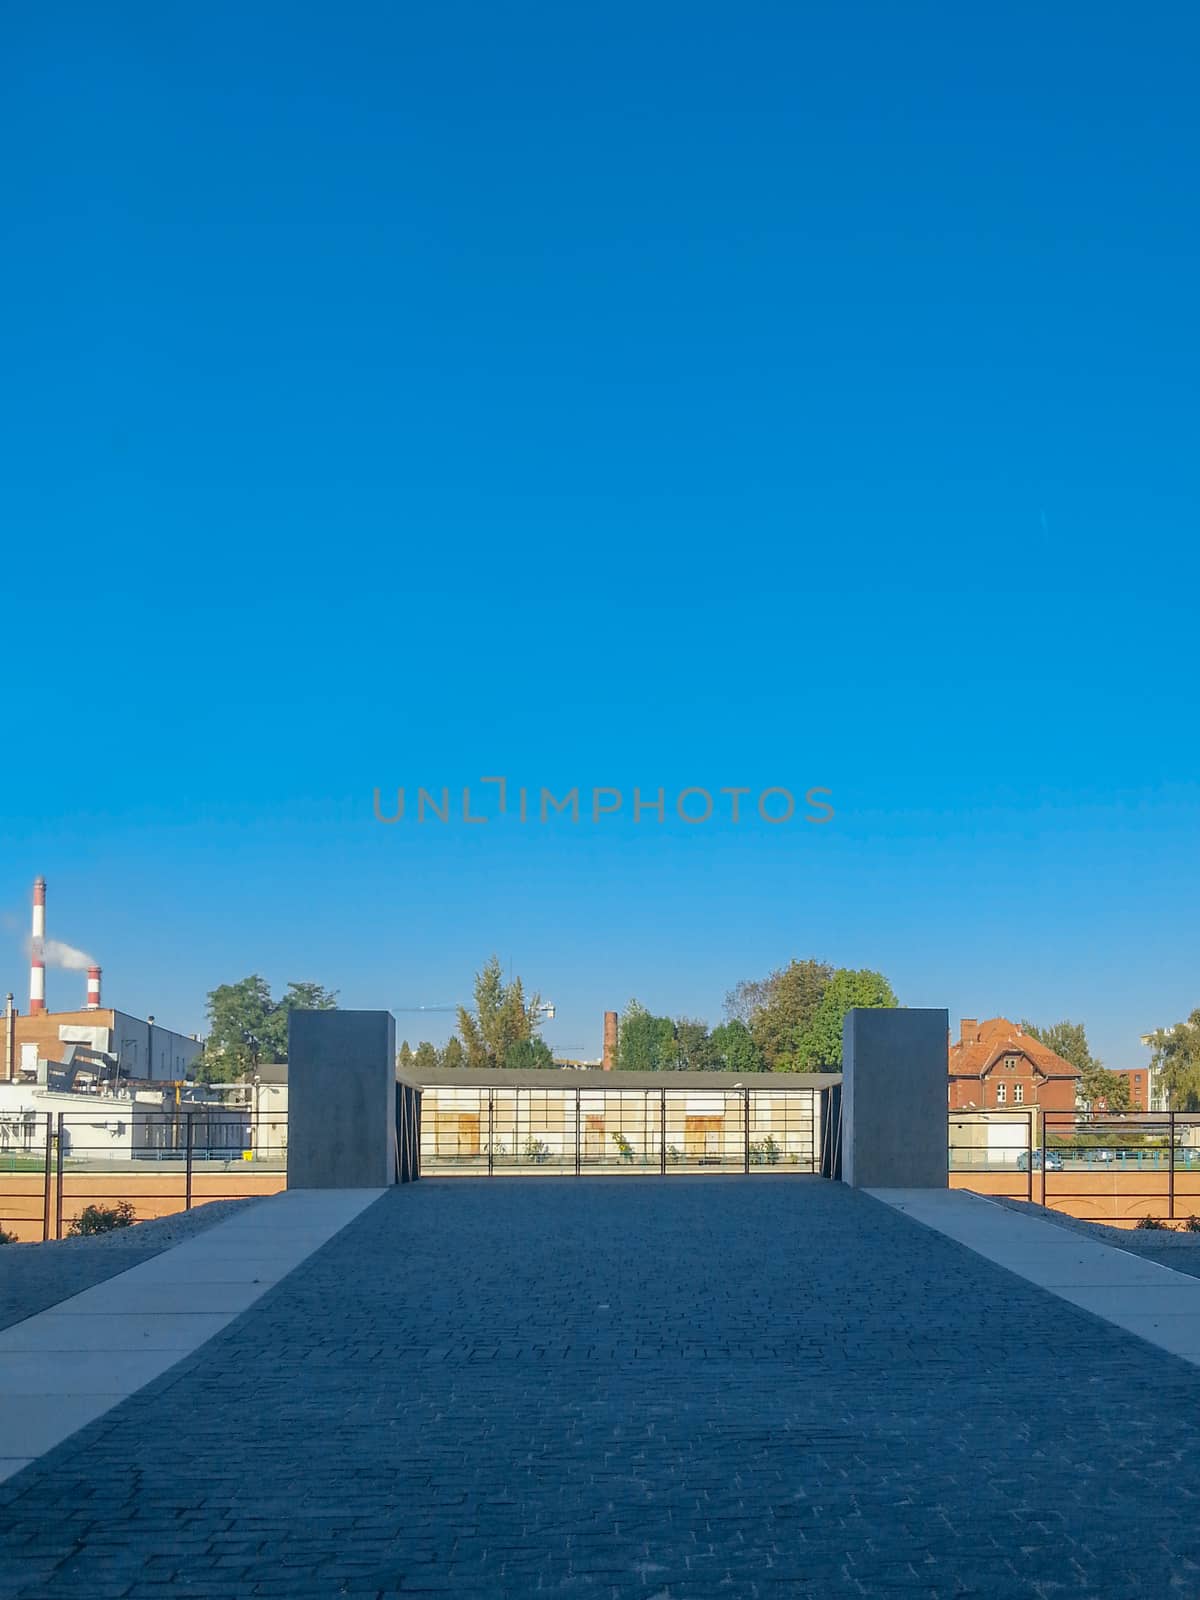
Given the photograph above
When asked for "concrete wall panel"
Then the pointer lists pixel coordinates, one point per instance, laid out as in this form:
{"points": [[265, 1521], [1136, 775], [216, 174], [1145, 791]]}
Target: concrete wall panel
{"points": [[894, 1120], [341, 1099]]}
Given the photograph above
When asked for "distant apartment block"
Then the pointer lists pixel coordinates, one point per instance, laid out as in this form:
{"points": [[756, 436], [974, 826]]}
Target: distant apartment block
{"points": [[1140, 1087]]}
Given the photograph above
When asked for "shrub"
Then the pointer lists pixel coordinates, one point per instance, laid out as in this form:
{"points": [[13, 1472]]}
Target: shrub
{"points": [[1192, 1225], [103, 1219], [536, 1150], [1152, 1222], [624, 1148], [6, 1237]]}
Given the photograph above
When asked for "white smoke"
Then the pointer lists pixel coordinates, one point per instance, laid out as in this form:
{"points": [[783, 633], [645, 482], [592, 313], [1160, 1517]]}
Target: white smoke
{"points": [[65, 955], [57, 954]]}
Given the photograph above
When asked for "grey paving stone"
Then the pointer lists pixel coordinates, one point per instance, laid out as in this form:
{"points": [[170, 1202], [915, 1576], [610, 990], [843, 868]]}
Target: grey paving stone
{"points": [[632, 1390]]}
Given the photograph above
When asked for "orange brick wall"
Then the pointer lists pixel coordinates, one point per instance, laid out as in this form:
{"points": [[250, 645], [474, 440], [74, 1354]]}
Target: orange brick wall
{"points": [[1117, 1198], [43, 1031], [22, 1194]]}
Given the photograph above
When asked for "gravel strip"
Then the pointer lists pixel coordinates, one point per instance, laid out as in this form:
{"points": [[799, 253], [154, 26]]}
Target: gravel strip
{"points": [[1177, 1250], [36, 1276], [160, 1233]]}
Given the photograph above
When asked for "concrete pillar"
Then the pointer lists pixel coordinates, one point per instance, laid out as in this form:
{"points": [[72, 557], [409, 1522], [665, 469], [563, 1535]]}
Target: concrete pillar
{"points": [[610, 1040], [894, 1105], [341, 1099]]}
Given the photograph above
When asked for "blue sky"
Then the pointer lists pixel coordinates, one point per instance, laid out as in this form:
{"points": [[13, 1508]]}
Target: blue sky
{"points": [[670, 395]]}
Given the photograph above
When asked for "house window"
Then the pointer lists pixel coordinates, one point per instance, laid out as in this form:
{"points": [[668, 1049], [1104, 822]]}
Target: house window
{"points": [[1010, 1063], [1001, 1093], [1018, 1093]]}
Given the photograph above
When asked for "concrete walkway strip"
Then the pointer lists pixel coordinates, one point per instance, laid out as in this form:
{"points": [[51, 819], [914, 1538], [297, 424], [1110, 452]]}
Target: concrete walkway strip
{"points": [[66, 1366], [1143, 1297]]}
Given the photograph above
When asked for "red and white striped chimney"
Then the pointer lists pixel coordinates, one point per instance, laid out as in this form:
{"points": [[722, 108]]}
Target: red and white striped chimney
{"points": [[93, 999], [37, 950]]}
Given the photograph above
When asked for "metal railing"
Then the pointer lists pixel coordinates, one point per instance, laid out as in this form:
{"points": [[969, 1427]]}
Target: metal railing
{"points": [[664, 1131], [1106, 1167], [53, 1164]]}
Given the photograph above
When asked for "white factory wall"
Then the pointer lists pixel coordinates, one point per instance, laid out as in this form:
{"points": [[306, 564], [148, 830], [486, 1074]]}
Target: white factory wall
{"points": [[81, 1033], [98, 1125], [268, 1102], [133, 1039], [265, 1106], [22, 1118], [123, 1127]]}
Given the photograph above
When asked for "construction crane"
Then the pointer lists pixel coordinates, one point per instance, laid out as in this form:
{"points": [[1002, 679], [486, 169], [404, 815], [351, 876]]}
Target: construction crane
{"points": [[546, 1009]]}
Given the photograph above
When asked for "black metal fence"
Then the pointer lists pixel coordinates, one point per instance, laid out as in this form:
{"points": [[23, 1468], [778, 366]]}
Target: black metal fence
{"points": [[54, 1164], [485, 1131], [1107, 1167], [408, 1133]]}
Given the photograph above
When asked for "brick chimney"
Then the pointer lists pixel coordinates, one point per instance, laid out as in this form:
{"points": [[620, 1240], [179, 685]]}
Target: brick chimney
{"points": [[968, 1028], [610, 1040]]}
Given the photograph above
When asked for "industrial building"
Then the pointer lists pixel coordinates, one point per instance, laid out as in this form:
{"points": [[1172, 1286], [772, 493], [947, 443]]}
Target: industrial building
{"points": [[91, 1047], [110, 1081], [87, 1048], [136, 1125]]}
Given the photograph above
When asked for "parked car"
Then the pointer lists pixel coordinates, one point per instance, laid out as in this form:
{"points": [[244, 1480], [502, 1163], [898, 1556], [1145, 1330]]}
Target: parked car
{"points": [[1054, 1162]]}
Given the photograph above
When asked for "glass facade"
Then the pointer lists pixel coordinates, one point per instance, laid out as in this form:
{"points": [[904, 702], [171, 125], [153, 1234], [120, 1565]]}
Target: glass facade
{"points": [[495, 1130]]}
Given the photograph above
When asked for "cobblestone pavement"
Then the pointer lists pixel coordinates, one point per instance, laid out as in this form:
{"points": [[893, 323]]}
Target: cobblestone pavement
{"points": [[660, 1389]]}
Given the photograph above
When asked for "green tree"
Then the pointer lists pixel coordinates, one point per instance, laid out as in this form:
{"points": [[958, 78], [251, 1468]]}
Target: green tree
{"points": [[779, 1009], [453, 1056], [734, 1050], [1097, 1086], [1066, 1039], [1176, 1060], [529, 1053], [1106, 1090], [305, 996], [748, 996], [238, 1030], [309, 996], [820, 1046], [694, 1050], [404, 1056], [425, 1057], [502, 1017], [645, 1043], [246, 1025]]}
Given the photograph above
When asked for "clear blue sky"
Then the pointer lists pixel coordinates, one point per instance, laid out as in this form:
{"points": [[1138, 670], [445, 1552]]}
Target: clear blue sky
{"points": [[662, 395]]}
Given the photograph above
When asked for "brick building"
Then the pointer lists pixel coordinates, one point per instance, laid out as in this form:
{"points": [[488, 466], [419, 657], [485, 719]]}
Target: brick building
{"points": [[96, 1042], [1138, 1079], [994, 1066]]}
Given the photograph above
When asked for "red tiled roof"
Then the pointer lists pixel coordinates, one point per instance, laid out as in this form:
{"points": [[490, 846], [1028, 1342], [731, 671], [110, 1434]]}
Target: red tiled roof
{"points": [[971, 1057]]}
